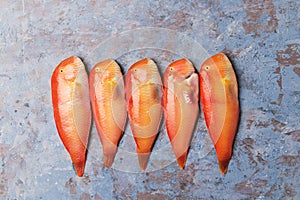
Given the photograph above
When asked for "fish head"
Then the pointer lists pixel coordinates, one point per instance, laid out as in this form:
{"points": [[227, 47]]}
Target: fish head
{"points": [[143, 71], [218, 72], [105, 71], [180, 70], [217, 66], [181, 79], [69, 69]]}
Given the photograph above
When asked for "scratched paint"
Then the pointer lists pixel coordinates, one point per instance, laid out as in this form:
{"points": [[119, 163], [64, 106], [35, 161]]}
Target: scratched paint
{"points": [[261, 37]]}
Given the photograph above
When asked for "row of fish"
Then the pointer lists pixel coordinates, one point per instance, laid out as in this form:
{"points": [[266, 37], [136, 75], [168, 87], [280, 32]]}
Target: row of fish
{"points": [[145, 98]]}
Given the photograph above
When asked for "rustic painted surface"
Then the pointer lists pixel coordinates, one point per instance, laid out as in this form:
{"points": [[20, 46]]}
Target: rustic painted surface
{"points": [[262, 40]]}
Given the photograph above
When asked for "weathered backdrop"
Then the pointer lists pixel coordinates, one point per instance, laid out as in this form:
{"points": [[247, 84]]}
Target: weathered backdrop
{"points": [[262, 39]]}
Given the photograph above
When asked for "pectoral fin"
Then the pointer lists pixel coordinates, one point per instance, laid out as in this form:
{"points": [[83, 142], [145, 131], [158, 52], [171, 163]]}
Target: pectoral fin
{"points": [[119, 89], [192, 90]]}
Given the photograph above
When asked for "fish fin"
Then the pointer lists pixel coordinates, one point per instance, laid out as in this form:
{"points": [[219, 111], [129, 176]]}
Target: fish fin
{"points": [[109, 159], [231, 88], [157, 92], [81, 108], [189, 97], [79, 168], [193, 81], [192, 94], [143, 160], [223, 166], [119, 88], [181, 160]]}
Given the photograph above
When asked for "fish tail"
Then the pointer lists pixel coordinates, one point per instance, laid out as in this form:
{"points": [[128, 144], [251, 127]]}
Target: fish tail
{"points": [[181, 160], [109, 159], [79, 168], [143, 160], [223, 165]]}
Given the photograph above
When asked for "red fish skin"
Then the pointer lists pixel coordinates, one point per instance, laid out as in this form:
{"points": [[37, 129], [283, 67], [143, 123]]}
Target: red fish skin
{"points": [[220, 105], [144, 96], [180, 101], [71, 106], [107, 94]]}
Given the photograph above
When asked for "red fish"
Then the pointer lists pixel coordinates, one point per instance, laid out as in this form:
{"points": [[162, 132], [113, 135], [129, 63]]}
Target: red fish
{"points": [[220, 105], [72, 111], [181, 98], [107, 95], [143, 95]]}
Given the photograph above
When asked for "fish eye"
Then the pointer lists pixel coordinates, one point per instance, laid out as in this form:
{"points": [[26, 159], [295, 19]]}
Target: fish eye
{"points": [[97, 69], [61, 70], [135, 70], [207, 68], [171, 68]]}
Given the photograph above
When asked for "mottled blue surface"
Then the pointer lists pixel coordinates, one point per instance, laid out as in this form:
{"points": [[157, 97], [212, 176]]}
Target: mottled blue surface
{"points": [[262, 39]]}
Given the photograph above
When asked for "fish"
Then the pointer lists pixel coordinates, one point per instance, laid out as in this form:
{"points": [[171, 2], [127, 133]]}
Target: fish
{"points": [[181, 106], [143, 87], [71, 108], [220, 105], [107, 94]]}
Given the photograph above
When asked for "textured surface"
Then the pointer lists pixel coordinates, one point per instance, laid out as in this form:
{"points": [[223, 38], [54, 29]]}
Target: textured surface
{"points": [[261, 37]]}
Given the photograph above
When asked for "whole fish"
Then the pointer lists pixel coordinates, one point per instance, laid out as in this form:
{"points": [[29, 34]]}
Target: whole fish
{"points": [[107, 95], [144, 95], [181, 98], [72, 111], [220, 104]]}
